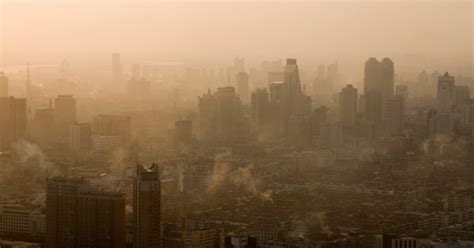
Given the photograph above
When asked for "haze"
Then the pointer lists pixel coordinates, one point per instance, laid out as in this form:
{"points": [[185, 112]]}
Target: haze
{"points": [[48, 31]]}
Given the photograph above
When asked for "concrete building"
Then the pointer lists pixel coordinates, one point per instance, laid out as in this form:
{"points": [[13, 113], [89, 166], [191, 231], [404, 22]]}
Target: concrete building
{"points": [[113, 125], [348, 108], [12, 121], [64, 115], [394, 115], [242, 85], [78, 215], [81, 137], [147, 208], [20, 221], [446, 93]]}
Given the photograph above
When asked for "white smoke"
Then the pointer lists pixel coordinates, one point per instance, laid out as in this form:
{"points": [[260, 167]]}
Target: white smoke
{"points": [[240, 177], [30, 156]]}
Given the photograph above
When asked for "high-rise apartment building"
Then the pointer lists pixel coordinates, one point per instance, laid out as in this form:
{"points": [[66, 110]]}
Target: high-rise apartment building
{"points": [[64, 114], [242, 83], [260, 110], [12, 121], [348, 106], [378, 89], [113, 125], [147, 208], [394, 115], [78, 215], [228, 113], [80, 137], [446, 93]]}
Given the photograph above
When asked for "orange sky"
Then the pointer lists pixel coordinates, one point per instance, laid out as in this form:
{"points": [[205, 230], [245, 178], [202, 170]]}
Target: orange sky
{"points": [[47, 31]]}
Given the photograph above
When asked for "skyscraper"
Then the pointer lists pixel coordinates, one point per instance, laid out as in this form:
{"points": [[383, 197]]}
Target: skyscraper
{"points": [[147, 208], [260, 107], [378, 89], [348, 106], [291, 77], [228, 113], [64, 114], [42, 126], [113, 125], [387, 77], [12, 121], [207, 114], [80, 137], [242, 81], [78, 215], [28, 85], [3, 85], [446, 93], [394, 115]]}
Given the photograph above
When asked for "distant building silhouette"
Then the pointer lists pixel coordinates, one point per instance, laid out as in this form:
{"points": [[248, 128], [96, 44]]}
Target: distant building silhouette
{"points": [[242, 83], [3, 85], [12, 121], [64, 115]]}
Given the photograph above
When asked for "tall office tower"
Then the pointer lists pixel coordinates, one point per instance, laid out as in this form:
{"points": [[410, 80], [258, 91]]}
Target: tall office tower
{"points": [[242, 80], [207, 114], [402, 90], [3, 85], [320, 115], [28, 85], [80, 137], [136, 71], [147, 208], [113, 125], [279, 106], [387, 77], [348, 106], [394, 115], [183, 131], [42, 126], [462, 95], [116, 66], [291, 77], [260, 107], [433, 89], [64, 114], [378, 88], [79, 215], [228, 114], [462, 103], [373, 93], [446, 93], [12, 121]]}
